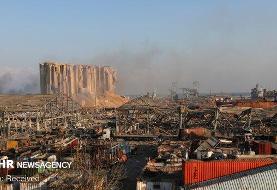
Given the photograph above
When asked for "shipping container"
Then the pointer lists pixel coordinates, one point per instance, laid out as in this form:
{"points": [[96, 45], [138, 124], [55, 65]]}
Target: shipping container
{"points": [[262, 147], [255, 104], [195, 171], [260, 178], [74, 143], [12, 144], [6, 171], [197, 131]]}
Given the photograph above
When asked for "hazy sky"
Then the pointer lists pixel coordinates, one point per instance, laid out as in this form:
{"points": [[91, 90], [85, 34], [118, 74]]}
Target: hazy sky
{"points": [[225, 45]]}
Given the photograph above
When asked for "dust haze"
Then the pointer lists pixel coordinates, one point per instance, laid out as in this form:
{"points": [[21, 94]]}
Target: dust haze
{"points": [[223, 49], [19, 81], [153, 69]]}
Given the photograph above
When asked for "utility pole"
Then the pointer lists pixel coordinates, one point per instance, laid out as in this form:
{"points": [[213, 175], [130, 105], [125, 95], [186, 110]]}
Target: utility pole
{"points": [[196, 86], [250, 118], [173, 90], [2, 114], [216, 118], [182, 112], [181, 121], [95, 90], [116, 123], [148, 121]]}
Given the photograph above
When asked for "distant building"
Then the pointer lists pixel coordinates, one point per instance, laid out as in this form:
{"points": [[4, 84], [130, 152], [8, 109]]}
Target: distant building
{"points": [[262, 93], [257, 92]]}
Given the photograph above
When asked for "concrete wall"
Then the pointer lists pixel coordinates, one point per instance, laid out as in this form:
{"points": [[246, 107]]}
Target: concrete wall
{"points": [[73, 80]]}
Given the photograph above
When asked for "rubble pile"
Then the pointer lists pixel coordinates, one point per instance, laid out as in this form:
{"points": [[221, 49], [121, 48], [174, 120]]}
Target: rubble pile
{"points": [[89, 85]]}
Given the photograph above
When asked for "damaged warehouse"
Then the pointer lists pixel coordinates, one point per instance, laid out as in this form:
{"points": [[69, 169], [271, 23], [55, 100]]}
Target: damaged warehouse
{"points": [[144, 143], [138, 95], [45, 128]]}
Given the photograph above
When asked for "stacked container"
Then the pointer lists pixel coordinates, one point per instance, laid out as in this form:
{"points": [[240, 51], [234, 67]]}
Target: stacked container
{"points": [[195, 171], [262, 147]]}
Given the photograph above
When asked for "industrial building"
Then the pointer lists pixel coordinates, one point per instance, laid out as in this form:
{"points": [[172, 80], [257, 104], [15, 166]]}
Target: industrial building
{"points": [[145, 143], [73, 80]]}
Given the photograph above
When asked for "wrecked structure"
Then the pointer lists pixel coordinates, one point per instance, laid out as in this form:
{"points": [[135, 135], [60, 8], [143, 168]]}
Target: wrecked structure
{"points": [[147, 116], [22, 113], [89, 85], [207, 133], [263, 93], [76, 79], [157, 137], [175, 133], [43, 127]]}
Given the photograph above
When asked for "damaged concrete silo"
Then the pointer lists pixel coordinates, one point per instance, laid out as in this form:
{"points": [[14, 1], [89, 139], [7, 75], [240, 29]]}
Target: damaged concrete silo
{"points": [[74, 80]]}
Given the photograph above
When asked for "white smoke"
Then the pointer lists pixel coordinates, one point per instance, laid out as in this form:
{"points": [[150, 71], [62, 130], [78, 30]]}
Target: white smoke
{"points": [[19, 81]]}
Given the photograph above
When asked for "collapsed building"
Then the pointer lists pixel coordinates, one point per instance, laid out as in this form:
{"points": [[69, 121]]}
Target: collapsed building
{"points": [[54, 124], [263, 93], [171, 144], [38, 128], [89, 85], [76, 79]]}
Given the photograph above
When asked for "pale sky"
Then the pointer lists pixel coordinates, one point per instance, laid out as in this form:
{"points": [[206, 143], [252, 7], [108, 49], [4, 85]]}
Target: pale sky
{"points": [[225, 45]]}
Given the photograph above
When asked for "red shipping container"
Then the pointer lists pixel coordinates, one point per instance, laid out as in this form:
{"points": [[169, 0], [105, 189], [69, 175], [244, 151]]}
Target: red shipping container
{"points": [[263, 147], [255, 104], [74, 143], [7, 171], [195, 171], [197, 131]]}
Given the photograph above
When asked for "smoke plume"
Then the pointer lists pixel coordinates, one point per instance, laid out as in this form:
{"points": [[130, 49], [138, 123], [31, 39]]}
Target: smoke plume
{"points": [[19, 81], [147, 70]]}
